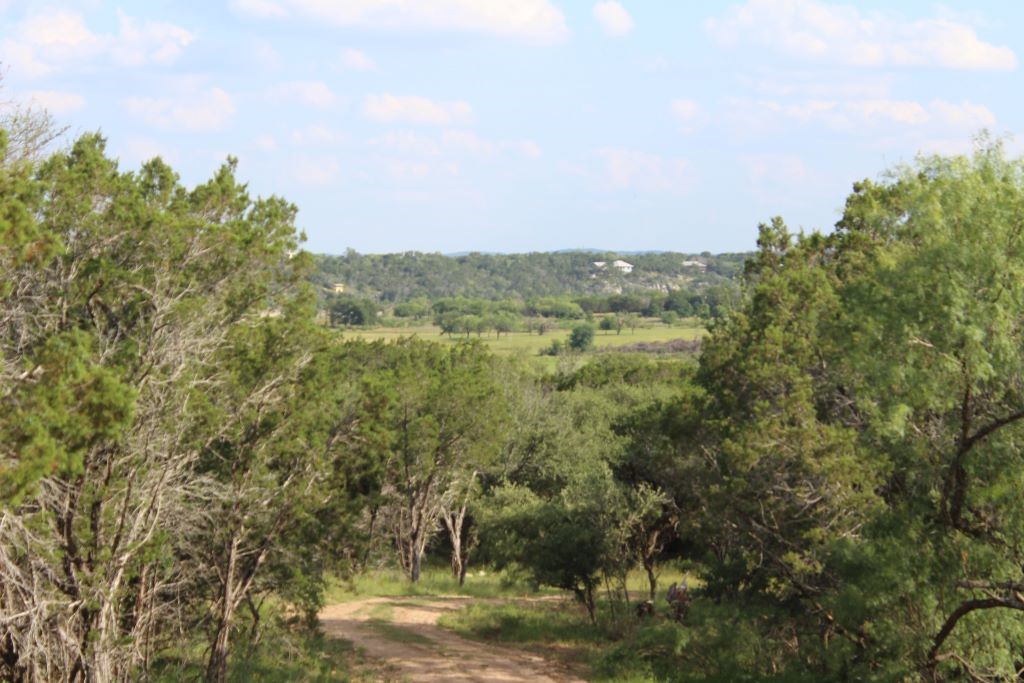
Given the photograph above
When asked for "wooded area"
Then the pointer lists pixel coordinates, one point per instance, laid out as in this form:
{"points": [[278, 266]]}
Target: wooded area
{"points": [[188, 457]]}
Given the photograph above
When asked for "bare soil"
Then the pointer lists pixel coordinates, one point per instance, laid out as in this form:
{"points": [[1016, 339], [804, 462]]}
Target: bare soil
{"points": [[402, 634]]}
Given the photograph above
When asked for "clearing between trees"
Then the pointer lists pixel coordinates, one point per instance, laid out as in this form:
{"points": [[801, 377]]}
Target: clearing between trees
{"points": [[403, 634]]}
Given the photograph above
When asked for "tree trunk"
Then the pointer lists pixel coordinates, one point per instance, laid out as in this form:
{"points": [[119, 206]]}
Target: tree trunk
{"points": [[652, 579], [217, 667], [414, 566], [589, 600], [455, 522]]}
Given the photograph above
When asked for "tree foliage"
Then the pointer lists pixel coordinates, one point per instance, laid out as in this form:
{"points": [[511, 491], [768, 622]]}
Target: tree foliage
{"points": [[157, 348]]}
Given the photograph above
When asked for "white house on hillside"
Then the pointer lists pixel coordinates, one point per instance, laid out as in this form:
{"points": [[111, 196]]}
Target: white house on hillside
{"points": [[621, 265], [699, 265]]}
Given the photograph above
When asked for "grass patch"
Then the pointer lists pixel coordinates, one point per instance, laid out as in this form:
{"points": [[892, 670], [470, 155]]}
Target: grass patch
{"points": [[556, 630], [398, 634], [558, 624], [433, 581], [527, 344], [282, 655], [618, 648]]}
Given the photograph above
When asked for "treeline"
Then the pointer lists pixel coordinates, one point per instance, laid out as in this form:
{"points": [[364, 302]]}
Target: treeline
{"points": [[396, 278], [465, 315]]}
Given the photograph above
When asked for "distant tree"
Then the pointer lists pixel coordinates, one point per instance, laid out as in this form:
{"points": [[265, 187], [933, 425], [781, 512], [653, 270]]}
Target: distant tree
{"points": [[351, 311], [416, 308], [503, 323], [582, 337]]}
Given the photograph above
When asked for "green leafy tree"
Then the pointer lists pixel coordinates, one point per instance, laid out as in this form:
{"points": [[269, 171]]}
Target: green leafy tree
{"points": [[134, 298], [864, 400], [351, 311], [582, 337], [436, 418]]}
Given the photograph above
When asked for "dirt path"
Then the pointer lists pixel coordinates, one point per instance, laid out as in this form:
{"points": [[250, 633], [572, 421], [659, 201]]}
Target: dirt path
{"points": [[403, 633]]}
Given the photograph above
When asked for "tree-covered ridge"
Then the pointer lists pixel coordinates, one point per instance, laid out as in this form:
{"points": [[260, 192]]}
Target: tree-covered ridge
{"points": [[396, 278]]}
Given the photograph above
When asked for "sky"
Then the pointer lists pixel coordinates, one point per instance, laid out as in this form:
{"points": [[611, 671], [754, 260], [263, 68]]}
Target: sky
{"points": [[526, 125]]}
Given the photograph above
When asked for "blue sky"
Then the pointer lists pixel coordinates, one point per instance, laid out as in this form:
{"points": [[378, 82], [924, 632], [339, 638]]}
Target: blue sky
{"points": [[521, 125]]}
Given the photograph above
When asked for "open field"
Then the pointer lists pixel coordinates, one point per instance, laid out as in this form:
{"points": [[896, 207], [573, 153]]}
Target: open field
{"points": [[527, 344]]}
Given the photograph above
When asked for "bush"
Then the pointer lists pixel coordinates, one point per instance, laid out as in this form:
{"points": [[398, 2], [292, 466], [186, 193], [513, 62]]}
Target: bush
{"points": [[555, 349], [582, 338]]}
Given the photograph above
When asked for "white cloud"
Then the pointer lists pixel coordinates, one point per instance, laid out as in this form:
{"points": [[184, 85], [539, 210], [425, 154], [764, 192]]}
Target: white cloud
{"points": [[137, 150], [466, 141], [316, 171], [613, 18], [528, 148], [964, 115], [869, 114], [775, 178], [60, 30], [264, 9], [356, 60], [454, 141], [314, 93], [316, 135], [536, 20], [471, 143], [415, 109], [45, 43], [898, 111], [784, 169], [687, 113], [407, 142], [842, 34], [140, 43], [265, 142], [404, 169], [266, 55], [205, 111], [56, 101], [812, 85], [23, 59], [631, 169]]}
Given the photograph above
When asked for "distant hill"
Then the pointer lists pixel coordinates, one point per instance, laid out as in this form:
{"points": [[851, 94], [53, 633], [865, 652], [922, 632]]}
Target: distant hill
{"points": [[409, 275]]}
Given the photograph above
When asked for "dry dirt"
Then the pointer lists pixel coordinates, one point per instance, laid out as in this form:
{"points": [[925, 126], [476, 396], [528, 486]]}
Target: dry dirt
{"points": [[402, 634]]}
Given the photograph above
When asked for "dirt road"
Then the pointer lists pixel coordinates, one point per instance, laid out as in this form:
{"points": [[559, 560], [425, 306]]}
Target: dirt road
{"points": [[404, 635]]}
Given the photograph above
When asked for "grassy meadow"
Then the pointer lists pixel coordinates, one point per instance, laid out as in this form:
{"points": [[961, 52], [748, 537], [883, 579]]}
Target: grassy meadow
{"points": [[529, 344]]}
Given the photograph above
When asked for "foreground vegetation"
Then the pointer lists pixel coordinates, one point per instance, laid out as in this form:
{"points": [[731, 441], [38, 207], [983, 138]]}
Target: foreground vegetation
{"points": [[189, 460]]}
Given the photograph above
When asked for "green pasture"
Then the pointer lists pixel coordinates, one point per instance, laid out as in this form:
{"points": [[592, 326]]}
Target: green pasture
{"points": [[530, 344]]}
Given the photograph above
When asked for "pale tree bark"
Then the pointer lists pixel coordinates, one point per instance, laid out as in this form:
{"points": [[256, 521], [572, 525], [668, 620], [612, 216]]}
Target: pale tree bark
{"points": [[453, 513], [79, 600]]}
